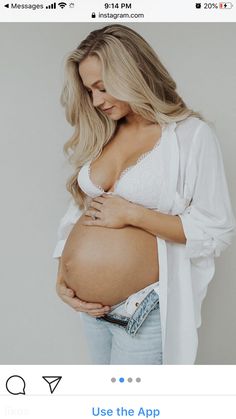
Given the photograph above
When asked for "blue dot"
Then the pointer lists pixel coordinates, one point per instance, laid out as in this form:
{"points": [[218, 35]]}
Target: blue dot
{"points": [[121, 380]]}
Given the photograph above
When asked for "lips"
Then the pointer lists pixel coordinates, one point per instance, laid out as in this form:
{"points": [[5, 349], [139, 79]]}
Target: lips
{"points": [[107, 109]]}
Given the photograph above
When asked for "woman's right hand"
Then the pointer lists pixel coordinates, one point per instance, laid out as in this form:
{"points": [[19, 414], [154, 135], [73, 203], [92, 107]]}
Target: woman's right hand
{"points": [[68, 296]]}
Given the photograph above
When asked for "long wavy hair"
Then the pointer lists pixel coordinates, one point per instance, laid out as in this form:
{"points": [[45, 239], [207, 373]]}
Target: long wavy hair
{"points": [[131, 72]]}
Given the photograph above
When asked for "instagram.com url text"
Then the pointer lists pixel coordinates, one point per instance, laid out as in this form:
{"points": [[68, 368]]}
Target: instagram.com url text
{"points": [[120, 15]]}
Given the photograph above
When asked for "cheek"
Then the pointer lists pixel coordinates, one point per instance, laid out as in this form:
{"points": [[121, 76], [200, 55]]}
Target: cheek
{"points": [[110, 100], [123, 107]]}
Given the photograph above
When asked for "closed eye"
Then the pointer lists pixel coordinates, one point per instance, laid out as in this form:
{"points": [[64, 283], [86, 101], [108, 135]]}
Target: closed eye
{"points": [[100, 90]]}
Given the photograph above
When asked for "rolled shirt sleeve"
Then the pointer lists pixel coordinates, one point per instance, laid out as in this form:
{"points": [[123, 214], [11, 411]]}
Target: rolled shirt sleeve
{"points": [[208, 221], [66, 224]]}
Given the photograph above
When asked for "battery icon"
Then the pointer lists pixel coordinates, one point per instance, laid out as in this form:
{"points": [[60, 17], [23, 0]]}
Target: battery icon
{"points": [[227, 5]]}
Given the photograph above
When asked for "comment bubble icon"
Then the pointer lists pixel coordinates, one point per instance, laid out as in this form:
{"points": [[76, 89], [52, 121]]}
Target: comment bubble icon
{"points": [[15, 385]]}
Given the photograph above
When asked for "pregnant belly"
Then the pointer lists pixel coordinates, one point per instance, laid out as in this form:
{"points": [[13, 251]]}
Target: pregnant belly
{"points": [[107, 265]]}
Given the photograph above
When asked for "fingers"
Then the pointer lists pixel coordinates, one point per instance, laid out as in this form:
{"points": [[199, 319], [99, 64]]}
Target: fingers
{"points": [[95, 205], [99, 199], [97, 313], [63, 290], [68, 292], [79, 305], [92, 213], [68, 296], [94, 309], [92, 306]]}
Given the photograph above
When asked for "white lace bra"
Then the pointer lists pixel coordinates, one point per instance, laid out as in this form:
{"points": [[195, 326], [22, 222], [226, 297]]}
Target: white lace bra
{"points": [[141, 183]]}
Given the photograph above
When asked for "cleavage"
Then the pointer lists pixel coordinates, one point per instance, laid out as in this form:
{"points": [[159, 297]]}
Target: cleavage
{"points": [[106, 175], [120, 156], [114, 170]]}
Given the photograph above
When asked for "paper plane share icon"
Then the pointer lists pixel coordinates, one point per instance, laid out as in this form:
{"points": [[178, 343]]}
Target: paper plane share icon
{"points": [[53, 381]]}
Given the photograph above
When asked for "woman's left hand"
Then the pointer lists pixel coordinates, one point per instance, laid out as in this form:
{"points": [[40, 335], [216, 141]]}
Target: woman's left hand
{"points": [[110, 211]]}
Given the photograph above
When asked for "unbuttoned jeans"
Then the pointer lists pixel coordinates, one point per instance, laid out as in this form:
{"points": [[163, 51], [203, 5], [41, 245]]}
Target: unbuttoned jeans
{"points": [[118, 338]]}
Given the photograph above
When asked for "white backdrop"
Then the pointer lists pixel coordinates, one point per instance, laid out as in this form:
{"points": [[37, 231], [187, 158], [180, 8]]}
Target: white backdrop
{"points": [[36, 327]]}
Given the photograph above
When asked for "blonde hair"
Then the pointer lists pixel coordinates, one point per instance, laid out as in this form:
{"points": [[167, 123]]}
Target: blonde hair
{"points": [[131, 72]]}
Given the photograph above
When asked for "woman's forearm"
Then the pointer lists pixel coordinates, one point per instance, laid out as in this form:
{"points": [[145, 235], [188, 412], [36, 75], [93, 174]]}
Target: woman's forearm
{"points": [[167, 227]]}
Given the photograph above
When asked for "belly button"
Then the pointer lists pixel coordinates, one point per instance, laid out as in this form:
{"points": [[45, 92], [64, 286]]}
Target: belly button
{"points": [[136, 304]]}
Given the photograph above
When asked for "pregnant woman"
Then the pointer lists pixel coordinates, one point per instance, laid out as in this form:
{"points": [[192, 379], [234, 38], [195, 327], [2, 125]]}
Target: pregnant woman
{"points": [[150, 207]]}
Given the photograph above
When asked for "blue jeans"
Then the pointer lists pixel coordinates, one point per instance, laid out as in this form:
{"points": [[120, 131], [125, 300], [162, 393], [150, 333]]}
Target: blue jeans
{"points": [[118, 338]]}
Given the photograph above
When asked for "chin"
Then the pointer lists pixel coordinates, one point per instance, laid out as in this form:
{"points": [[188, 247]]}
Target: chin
{"points": [[117, 117]]}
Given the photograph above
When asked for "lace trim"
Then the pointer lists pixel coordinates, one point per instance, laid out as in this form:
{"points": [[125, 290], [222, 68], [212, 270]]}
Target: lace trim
{"points": [[123, 173], [142, 157], [94, 184]]}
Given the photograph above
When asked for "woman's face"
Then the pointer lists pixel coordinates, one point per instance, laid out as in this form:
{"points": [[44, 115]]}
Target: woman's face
{"points": [[90, 70]]}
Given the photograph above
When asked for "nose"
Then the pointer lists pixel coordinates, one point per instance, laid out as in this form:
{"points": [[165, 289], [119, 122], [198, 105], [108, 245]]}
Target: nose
{"points": [[98, 98]]}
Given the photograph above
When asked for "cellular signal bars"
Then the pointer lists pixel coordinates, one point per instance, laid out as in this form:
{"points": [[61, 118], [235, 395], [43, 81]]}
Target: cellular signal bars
{"points": [[51, 6]]}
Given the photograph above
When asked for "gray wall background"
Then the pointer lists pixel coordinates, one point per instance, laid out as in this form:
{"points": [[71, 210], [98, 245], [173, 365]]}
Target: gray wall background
{"points": [[36, 327]]}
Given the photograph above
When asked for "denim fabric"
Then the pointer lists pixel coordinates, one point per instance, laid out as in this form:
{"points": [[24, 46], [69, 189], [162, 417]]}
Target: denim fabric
{"points": [[129, 340], [134, 322]]}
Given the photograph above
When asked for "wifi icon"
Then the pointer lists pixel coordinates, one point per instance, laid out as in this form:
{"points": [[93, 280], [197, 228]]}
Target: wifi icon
{"points": [[62, 5]]}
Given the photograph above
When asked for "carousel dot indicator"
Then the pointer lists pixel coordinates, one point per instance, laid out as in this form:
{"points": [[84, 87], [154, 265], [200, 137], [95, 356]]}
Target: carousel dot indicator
{"points": [[138, 380], [113, 379], [130, 380], [121, 379]]}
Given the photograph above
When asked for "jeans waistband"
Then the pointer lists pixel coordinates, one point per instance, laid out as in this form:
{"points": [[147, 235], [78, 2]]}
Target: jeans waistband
{"points": [[127, 307], [133, 323]]}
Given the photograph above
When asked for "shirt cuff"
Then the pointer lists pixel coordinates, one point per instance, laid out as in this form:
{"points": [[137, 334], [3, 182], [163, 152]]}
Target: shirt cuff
{"points": [[198, 243]]}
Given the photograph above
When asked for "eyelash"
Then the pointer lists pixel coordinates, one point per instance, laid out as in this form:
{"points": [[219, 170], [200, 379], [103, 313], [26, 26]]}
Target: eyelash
{"points": [[90, 91]]}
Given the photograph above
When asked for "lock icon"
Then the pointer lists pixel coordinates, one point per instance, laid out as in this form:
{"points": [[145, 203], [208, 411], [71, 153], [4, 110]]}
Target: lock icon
{"points": [[93, 15]]}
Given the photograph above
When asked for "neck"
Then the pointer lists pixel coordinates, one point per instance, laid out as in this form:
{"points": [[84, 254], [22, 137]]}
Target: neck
{"points": [[136, 121]]}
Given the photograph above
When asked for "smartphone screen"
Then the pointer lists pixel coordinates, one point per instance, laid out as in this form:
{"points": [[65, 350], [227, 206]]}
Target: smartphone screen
{"points": [[118, 209]]}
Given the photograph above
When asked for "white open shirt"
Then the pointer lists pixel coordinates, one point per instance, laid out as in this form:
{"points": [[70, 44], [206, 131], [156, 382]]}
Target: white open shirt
{"points": [[195, 188]]}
